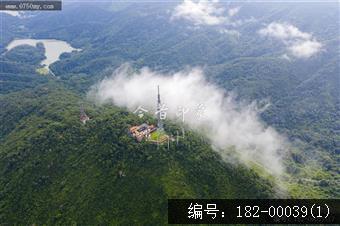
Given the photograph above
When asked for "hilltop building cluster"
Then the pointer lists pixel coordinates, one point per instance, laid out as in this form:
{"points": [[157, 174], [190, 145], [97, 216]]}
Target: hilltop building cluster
{"points": [[142, 131], [151, 133]]}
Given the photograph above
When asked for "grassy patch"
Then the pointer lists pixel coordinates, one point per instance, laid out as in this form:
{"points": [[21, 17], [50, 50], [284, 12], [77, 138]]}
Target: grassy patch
{"points": [[158, 136], [42, 71]]}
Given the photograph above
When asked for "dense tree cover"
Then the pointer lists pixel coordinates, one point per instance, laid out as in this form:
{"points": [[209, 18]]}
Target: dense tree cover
{"points": [[18, 68], [55, 170], [26, 54]]}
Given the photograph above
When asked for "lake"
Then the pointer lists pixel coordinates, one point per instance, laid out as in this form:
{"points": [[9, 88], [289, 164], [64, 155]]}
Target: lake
{"points": [[53, 48]]}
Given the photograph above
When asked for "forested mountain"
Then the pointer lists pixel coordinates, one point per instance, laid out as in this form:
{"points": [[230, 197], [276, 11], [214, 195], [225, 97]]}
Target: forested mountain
{"points": [[52, 166], [55, 170]]}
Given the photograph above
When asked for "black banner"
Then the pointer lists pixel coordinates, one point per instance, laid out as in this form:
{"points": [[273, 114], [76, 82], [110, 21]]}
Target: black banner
{"points": [[30, 5], [254, 211]]}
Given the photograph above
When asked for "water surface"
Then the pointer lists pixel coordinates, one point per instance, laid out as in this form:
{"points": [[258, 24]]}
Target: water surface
{"points": [[53, 48]]}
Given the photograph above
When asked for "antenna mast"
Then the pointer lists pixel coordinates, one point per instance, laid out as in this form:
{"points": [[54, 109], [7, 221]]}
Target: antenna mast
{"points": [[159, 106]]}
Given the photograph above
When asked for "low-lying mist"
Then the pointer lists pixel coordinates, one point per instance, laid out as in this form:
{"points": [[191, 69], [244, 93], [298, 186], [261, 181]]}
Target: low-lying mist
{"points": [[206, 108]]}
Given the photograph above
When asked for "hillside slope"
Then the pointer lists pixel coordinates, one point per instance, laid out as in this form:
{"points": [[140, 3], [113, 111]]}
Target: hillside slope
{"points": [[55, 170]]}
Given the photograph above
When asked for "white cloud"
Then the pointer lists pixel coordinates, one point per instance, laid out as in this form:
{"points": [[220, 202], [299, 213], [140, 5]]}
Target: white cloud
{"points": [[286, 57], [225, 122], [200, 13], [210, 13], [233, 11], [231, 32], [305, 49], [299, 44], [10, 12], [283, 31]]}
